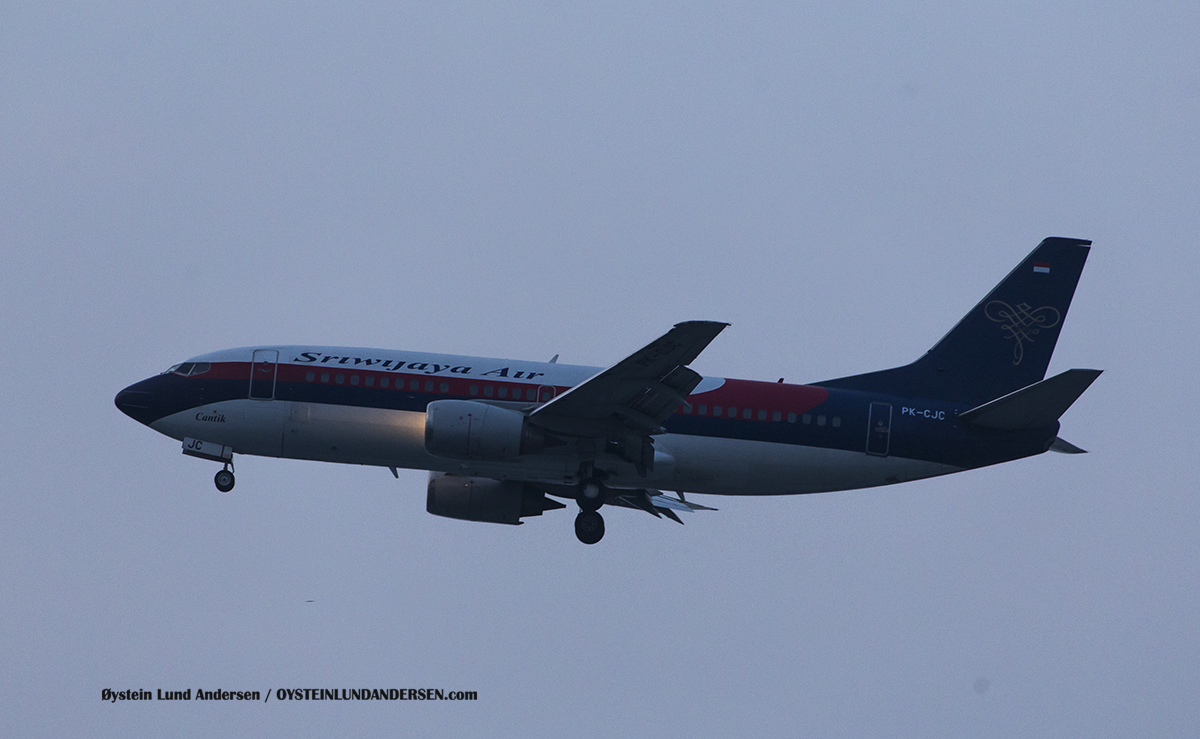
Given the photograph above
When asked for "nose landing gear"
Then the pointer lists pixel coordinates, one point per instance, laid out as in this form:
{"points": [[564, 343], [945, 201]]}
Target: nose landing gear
{"points": [[224, 480], [216, 453]]}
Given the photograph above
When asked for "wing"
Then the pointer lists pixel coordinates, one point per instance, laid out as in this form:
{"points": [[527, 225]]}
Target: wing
{"points": [[628, 403], [655, 503]]}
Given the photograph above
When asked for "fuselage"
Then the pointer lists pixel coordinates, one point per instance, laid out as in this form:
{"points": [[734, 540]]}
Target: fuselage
{"points": [[731, 437]]}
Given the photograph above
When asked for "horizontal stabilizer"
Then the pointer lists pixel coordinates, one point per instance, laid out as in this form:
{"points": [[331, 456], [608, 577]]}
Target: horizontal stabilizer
{"points": [[1062, 446], [1036, 406]]}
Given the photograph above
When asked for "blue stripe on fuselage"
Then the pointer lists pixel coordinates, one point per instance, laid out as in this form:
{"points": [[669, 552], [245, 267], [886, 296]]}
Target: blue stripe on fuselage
{"points": [[921, 430]]}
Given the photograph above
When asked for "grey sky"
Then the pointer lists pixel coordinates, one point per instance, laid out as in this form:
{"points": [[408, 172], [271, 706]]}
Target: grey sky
{"points": [[839, 182]]}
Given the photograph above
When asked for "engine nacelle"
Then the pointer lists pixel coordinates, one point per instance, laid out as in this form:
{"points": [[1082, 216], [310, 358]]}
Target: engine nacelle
{"points": [[483, 499], [466, 429]]}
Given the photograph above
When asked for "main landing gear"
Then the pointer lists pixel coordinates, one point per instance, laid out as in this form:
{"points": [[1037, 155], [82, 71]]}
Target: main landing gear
{"points": [[589, 527], [589, 524], [224, 479]]}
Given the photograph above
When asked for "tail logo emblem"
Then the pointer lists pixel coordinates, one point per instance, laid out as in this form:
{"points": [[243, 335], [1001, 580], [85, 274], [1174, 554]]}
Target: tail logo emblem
{"points": [[1021, 323]]}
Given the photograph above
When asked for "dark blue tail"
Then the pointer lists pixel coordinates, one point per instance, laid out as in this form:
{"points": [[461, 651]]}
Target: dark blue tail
{"points": [[1002, 345]]}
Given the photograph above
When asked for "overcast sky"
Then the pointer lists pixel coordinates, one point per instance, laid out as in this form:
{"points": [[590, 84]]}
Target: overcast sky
{"points": [[839, 182]]}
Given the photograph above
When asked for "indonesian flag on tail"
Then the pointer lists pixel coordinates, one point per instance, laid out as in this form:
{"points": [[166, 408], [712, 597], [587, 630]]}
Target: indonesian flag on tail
{"points": [[1041, 267]]}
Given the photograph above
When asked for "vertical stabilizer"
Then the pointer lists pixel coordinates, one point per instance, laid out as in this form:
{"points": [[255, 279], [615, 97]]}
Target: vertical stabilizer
{"points": [[1003, 344]]}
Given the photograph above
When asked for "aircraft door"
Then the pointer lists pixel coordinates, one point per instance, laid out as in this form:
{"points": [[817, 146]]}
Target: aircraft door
{"points": [[545, 393], [263, 368], [879, 429]]}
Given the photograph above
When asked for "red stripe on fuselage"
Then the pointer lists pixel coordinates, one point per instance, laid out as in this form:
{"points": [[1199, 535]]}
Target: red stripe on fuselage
{"points": [[757, 395], [457, 386], [753, 394]]}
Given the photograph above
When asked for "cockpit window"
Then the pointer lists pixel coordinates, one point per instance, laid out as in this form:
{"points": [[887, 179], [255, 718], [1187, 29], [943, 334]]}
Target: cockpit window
{"points": [[189, 368]]}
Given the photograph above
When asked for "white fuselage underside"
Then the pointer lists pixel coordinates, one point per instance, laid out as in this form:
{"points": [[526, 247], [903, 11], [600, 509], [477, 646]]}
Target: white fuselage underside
{"points": [[396, 438]]}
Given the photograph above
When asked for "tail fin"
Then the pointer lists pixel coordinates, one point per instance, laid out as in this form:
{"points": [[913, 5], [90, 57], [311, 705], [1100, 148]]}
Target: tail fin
{"points": [[1003, 344]]}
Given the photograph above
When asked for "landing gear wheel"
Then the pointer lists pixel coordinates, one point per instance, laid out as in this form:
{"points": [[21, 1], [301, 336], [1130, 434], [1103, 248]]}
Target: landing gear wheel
{"points": [[589, 527], [590, 495], [224, 481]]}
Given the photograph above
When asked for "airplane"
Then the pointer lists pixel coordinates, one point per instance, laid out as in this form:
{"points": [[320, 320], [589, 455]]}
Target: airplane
{"points": [[506, 439]]}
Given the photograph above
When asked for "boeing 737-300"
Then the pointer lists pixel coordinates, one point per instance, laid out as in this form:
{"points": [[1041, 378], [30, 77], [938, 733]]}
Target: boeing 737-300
{"points": [[505, 439]]}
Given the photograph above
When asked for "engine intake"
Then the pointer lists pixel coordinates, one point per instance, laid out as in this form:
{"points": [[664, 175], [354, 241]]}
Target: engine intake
{"points": [[467, 429]]}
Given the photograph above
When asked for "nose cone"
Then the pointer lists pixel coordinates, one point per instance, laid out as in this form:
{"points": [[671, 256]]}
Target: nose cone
{"points": [[139, 403]]}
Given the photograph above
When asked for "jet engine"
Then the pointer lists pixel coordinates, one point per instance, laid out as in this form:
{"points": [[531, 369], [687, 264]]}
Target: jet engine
{"points": [[467, 429], [484, 499]]}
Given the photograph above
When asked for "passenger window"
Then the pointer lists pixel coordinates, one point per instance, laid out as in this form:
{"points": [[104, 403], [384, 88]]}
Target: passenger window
{"points": [[762, 415], [370, 381], [487, 391], [717, 410], [354, 380], [791, 418], [444, 387], [383, 382], [821, 420], [777, 416], [429, 386], [414, 385], [310, 376], [747, 413], [837, 421], [339, 378], [474, 390], [732, 411], [704, 410], [324, 377], [806, 419], [503, 392]]}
